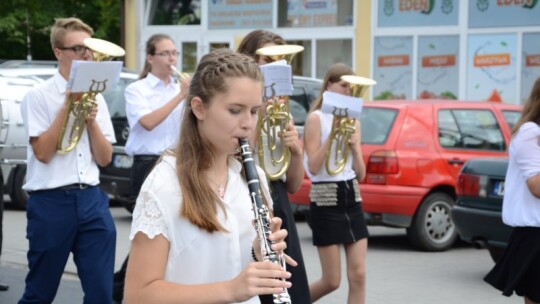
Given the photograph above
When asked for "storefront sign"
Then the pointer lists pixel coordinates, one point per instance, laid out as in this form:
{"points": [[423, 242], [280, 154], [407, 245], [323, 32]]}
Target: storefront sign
{"points": [[399, 13], [530, 70], [393, 69], [438, 71], [314, 13], [240, 14], [500, 13], [492, 67]]}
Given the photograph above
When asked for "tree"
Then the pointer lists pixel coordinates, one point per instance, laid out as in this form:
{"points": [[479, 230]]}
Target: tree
{"points": [[25, 24]]}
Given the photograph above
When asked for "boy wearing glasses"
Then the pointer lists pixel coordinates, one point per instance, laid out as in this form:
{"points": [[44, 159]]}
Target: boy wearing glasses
{"points": [[66, 210], [153, 106]]}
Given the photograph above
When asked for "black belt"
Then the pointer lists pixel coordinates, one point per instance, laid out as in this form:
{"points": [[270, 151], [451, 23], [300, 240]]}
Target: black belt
{"points": [[145, 157], [63, 188], [73, 187]]}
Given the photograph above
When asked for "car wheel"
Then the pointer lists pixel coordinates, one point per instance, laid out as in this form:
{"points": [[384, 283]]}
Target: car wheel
{"points": [[18, 196], [432, 228], [495, 253]]}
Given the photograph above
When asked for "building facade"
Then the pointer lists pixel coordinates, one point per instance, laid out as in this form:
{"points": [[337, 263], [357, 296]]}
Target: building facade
{"points": [[414, 49]]}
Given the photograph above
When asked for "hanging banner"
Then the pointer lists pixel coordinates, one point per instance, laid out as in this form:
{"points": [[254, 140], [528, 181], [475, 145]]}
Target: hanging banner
{"points": [[492, 68], [240, 14], [393, 68], [438, 72], [399, 13]]}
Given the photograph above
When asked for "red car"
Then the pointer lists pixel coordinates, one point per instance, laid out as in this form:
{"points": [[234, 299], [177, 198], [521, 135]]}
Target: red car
{"points": [[413, 151]]}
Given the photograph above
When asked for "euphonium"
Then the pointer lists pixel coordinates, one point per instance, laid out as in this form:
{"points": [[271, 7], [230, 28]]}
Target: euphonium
{"points": [[270, 126], [343, 127], [78, 109]]}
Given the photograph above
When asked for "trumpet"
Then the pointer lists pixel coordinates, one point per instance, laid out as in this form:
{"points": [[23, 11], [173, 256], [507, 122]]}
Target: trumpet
{"points": [[79, 109], [179, 75], [270, 126], [343, 127]]}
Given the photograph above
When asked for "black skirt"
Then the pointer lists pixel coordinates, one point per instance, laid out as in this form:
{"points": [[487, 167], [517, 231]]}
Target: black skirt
{"points": [[518, 268], [336, 213]]}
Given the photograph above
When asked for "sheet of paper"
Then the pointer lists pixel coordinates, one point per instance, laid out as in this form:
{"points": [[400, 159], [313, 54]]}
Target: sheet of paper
{"points": [[277, 79], [91, 75], [343, 105]]}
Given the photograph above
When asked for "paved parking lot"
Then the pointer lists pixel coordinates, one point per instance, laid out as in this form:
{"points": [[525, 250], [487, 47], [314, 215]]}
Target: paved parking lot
{"points": [[396, 273]]}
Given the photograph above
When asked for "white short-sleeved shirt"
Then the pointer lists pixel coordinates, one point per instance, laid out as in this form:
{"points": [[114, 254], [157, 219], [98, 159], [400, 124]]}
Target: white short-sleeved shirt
{"points": [[323, 176], [39, 109], [520, 207], [196, 256], [143, 97]]}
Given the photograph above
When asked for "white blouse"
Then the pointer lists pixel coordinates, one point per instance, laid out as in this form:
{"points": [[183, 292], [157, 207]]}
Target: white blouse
{"points": [[196, 256]]}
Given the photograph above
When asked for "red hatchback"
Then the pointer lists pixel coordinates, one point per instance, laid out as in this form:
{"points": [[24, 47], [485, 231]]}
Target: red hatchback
{"points": [[413, 152]]}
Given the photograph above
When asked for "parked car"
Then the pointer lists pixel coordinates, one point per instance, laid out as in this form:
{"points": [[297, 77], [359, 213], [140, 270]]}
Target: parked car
{"points": [[413, 151], [477, 213], [16, 78], [115, 177]]}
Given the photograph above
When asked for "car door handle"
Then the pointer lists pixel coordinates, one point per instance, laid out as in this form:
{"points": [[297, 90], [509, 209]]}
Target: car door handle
{"points": [[456, 161]]}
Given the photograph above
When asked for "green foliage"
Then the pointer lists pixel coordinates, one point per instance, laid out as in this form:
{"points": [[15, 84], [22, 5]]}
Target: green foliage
{"points": [[102, 15]]}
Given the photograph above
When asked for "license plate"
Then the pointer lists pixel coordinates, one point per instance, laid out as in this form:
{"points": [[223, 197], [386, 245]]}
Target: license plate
{"points": [[498, 188], [122, 161]]}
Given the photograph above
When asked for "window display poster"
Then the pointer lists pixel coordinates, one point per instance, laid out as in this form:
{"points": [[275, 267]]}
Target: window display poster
{"points": [[240, 14], [438, 72], [500, 13], [399, 13], [491, 67], [530, 70], [316, 13], [393, 68]]}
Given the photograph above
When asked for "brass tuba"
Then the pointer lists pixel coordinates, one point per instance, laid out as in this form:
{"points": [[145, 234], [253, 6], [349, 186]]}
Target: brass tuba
{"points": [[343, 127], [275, 120], [78, 109]]}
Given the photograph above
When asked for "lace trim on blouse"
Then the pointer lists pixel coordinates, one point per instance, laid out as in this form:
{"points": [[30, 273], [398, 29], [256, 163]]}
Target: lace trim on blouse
{"points": [[148, 217]]}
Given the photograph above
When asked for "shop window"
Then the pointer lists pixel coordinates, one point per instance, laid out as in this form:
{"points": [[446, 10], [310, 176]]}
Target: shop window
{"points": [[189, 57], [315, 13], [175, 12], [332, 51], [301, 62]]}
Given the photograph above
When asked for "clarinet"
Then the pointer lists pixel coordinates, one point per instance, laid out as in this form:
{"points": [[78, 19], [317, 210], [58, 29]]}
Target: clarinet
{"points": [[262, 216]]}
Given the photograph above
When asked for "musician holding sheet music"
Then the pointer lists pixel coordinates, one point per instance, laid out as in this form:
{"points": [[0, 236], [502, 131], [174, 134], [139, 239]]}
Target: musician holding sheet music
{"points": [[336, 205], [66, 211]]}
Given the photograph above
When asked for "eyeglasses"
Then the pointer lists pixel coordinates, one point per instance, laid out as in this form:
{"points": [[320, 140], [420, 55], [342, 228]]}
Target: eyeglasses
{"points": [[77, 49], [167, 53]]}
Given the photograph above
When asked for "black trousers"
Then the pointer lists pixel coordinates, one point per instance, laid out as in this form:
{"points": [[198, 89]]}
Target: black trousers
{"points": [[142, 165], [1, 222]]}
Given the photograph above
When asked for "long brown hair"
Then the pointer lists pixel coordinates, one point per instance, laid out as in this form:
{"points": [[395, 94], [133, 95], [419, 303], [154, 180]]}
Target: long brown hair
{"points": [[257, 39], [151, 50], [193, 153], [333, 75], [531, 109]]}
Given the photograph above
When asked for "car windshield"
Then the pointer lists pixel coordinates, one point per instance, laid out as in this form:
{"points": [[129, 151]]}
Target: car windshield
{"points": [[376, 124]]}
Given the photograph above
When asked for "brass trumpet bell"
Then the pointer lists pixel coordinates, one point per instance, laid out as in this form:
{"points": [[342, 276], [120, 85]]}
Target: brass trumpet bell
{"points": [[103, 50], [274, 156], [343, 127], [279, 52], [78, 109]]}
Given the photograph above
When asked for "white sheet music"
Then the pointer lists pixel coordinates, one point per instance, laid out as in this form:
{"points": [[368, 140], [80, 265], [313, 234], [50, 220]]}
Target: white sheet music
{"points": [[277, 76], [342, 104], [85, 75]]}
